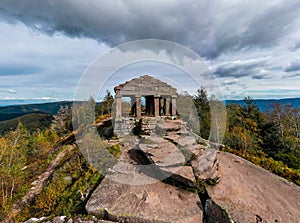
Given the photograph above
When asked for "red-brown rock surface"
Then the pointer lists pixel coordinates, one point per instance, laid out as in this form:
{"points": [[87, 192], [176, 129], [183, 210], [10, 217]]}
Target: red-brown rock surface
{"points": [[251, 194], [157, 202]]}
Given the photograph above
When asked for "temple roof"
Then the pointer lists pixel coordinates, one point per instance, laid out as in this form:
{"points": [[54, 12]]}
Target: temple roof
{"points": [[145, 85]]}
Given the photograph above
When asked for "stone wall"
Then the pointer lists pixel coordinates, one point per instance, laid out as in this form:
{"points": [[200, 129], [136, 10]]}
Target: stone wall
{"points": [[124, 125]]}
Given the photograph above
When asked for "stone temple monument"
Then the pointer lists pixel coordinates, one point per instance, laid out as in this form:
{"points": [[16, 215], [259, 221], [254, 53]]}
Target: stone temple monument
{"points": [[143, 97]]}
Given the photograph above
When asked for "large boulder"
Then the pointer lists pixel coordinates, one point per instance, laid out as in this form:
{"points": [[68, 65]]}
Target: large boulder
{"points": [[248, 193], [167, 161], [153, 202], [205, 164]]}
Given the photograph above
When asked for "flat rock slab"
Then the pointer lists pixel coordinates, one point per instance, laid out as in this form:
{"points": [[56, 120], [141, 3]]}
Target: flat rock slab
{"points": [[157, 202], [251, 194], [165, 154], [166, 160], [154, 138]]}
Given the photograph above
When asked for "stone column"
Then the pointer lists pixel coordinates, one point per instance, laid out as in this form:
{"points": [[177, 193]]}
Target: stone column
{"points": [[118, 107], [132, 109], [161, 105], [156, 106], [173, 105], [168, 107], [138, 107]]}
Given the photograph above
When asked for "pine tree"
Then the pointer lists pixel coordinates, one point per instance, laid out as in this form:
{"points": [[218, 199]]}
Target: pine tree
{"points": [[203, 108], [62, 121]]}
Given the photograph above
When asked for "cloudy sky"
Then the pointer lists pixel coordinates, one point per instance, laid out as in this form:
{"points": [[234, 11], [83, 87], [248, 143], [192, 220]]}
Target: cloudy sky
{"points": [[252, 46]]}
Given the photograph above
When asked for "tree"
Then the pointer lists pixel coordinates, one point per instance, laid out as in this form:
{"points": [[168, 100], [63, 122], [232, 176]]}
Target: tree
{"points": [[203, 108], [281, 134], [13, 150], [62, 121], [244, 126], [106, 105]]}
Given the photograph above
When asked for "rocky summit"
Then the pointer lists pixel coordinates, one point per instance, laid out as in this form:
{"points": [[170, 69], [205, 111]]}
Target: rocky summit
{"points": [[173, 176]]}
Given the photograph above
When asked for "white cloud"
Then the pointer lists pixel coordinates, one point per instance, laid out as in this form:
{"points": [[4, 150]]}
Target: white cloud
{"points": [[230, 82], [11, 91]]}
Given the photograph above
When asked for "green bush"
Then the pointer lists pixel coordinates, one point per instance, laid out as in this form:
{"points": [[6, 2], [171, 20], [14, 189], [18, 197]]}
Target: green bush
{"points": [[115, 150]]}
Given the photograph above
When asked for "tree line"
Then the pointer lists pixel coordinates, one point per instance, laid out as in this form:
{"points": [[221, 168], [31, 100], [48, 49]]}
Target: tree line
{"points": [[270, 139]]}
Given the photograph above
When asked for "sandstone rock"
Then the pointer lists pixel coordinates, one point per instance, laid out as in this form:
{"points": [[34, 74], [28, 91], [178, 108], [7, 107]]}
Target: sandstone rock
{"points": [[156, 202], [205, 164], [167, 161], [86, 219], [184, 175], [172, 137], [173, 125], [186, 141], [154, 138], [32, 220], [59, 219], [90, 219], [215, 214], [125, 173], [166, 154], [196, 148], [249, 193]]}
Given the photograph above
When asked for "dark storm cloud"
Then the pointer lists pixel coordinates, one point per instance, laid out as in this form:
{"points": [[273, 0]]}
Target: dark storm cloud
{"points": [[293, 66], [210, 27], [238, 69]]}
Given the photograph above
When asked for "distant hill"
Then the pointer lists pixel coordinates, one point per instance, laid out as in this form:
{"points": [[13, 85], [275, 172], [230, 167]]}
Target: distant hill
{"points": [[14, 111], [266, 104], [31, 121]]}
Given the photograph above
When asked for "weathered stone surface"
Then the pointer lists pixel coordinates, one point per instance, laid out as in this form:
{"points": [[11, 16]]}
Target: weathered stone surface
{"points": [[214, 213], [63, 219], [249, 193], [126, 173], [173, 137], [205, 165], [186, 141], [184, 175], [167, 161], [156, 202], [173, 125], [166, 154], [196, 148], [59, 219], [154, 138], [32, 220]]}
